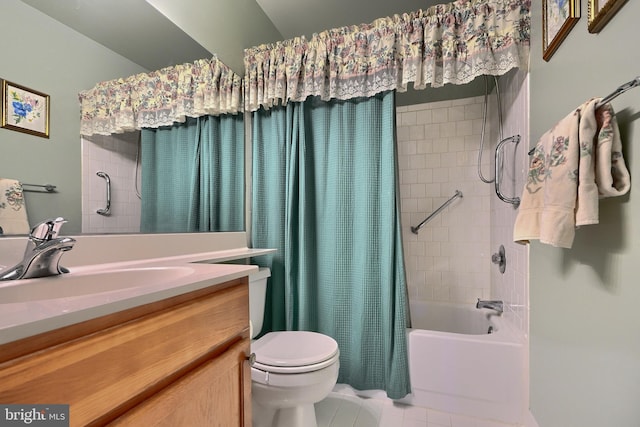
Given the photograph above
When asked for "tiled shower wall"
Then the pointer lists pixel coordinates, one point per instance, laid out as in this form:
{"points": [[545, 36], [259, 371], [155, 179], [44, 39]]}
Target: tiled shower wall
{"points": [[513, 286], [438, 143], [115, 155], [438, 146]]}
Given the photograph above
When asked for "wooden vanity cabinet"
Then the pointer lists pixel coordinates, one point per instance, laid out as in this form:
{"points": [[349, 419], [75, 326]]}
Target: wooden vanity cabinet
{"points": [[176, 362]]}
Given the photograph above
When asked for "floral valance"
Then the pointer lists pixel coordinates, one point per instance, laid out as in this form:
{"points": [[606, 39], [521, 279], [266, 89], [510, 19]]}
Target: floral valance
{"points": [[448, 43], [160, 98]]}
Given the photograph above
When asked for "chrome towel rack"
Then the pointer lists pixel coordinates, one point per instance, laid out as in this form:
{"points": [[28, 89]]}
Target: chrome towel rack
{"points": [[417, 228], [619, 91], [107, 210], [47, 187]]}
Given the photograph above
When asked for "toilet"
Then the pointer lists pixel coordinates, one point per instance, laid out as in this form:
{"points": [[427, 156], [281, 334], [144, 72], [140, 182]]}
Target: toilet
{"points": [[292, 371]]}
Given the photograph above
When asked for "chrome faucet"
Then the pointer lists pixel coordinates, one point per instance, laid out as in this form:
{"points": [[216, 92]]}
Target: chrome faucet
{"points": [[42, 254], [495, 305]]}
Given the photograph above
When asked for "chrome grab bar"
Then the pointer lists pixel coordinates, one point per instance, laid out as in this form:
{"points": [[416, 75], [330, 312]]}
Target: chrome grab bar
{"points": [[107, 210], [499, 166], [417, 228]]}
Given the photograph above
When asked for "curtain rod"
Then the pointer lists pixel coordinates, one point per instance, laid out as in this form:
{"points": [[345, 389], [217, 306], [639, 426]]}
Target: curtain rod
{"points": [[619, 91]]}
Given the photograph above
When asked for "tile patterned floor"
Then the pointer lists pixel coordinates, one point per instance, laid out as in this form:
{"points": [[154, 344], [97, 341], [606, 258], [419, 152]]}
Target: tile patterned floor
{"points": [[341, 409]]}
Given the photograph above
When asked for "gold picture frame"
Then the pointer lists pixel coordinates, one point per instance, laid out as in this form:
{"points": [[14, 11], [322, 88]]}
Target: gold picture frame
{"points": [[600, 12], [24, 110], [558, 18]]}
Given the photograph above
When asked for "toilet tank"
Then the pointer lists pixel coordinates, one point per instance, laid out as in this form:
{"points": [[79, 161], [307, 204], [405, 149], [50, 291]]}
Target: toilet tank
{"points": [[257, 295]]}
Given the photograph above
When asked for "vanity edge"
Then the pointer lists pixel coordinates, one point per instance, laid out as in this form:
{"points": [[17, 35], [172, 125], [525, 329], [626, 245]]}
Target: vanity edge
{"points": [[26, 319]]}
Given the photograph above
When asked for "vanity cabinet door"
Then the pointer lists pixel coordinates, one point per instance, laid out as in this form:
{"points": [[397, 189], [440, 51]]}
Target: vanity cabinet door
{"points": [[112, 369], [215, 394]]}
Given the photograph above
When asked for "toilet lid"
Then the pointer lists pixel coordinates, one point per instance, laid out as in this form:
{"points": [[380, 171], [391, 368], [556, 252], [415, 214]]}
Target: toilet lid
{"points": [[293, 349]]}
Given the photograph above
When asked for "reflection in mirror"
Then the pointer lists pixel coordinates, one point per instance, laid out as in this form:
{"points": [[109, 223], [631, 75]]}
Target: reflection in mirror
{"points": [[189, 154], [13, 212], [187, 177], [118, 156], [192, 176], [81, 43]]}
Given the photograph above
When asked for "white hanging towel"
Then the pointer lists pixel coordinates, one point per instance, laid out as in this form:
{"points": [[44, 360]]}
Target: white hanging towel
{"points": [[13, 211], [574, 164]]}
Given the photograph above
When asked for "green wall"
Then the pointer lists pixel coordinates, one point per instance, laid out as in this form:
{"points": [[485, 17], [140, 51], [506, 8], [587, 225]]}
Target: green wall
{"points": [[585, 318], [42, 54]]}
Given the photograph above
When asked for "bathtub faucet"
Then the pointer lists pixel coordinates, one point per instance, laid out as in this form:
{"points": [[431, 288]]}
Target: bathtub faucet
{"points": [[493, 305]]}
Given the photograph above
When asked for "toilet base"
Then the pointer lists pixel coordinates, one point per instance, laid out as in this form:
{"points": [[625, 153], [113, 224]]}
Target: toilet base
{"points": [[299, 416]]}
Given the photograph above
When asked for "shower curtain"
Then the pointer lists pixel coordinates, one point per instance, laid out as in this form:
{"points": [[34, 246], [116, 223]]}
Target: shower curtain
{"points": [[325, 195], [193, 176]]}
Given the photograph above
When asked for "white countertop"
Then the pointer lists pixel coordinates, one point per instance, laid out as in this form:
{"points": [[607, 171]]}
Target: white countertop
{"points": [[33, 316]]}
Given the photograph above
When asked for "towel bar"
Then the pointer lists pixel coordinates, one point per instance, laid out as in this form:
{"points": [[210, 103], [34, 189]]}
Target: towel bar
{"points": [[619, 91], [47, 187]]}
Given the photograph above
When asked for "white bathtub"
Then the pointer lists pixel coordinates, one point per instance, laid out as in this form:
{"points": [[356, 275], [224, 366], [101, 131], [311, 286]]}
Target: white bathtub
{"points": [[457, 366]]}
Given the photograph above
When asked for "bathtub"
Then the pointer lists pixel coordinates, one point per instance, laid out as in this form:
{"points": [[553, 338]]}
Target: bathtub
{"points": [[457, 366]]}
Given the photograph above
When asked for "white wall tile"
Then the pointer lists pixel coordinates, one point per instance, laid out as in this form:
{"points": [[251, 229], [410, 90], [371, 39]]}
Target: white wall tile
{"points": [[417, 132], [115, 155], [440, 115], [424, 117], [409, 118], [512, 287], [451, 257], [450, 253], [456, 113]]}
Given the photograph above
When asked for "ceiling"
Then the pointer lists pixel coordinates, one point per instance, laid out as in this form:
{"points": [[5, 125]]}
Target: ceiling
{"points": [[132, 28], [305, 17], [139, 32]]}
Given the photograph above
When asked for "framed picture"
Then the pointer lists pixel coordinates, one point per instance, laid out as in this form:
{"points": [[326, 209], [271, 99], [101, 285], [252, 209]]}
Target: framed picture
{"points": [[24, 110], [558, 18], [601, 11]]}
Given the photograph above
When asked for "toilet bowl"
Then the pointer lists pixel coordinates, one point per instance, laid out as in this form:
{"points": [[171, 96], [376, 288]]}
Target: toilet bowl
{"points": [[292, 370]]}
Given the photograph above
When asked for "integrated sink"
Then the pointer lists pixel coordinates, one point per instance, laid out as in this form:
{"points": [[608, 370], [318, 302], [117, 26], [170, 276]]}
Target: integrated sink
{"points": [[87, 283]]}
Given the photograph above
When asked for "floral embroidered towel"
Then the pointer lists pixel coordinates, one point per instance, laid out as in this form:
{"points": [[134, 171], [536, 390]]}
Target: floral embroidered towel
{"points": [[574, 164], [13, 212]]}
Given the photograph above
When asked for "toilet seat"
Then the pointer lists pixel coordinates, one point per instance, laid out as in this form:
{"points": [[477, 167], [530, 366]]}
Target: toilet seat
{"points": [[294, 352]]}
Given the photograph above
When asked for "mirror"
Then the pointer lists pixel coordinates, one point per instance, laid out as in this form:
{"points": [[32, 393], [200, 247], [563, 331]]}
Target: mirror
{"points": [[73, 44]]}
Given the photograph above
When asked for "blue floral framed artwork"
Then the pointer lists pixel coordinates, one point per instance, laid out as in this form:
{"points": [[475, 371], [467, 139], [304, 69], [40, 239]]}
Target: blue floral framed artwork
{"points": [[558, 18], [24, 110]]}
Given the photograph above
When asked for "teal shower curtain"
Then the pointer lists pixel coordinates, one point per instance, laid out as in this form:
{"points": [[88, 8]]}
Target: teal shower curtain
{"points": [[193, 176], [325, 195]]}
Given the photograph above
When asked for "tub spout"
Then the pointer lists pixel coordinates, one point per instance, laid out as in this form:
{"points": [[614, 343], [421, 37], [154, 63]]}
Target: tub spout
{"points": [[493, 305]]}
